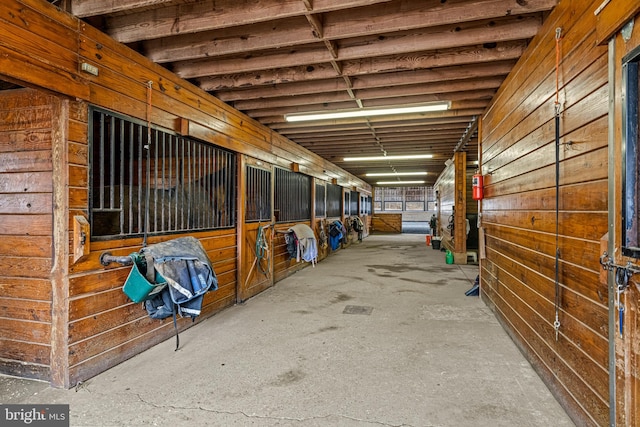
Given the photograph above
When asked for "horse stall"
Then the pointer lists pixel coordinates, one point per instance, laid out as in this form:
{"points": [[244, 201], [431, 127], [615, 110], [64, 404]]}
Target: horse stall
{"points": [[95, 167]]}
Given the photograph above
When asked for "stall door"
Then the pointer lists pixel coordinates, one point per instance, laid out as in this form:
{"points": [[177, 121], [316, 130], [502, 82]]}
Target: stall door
{"points": [[257, 231], [624, 54]]}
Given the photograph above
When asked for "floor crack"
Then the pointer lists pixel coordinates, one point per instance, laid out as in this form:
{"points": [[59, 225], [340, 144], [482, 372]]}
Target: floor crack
{"points": [[268, 417]]}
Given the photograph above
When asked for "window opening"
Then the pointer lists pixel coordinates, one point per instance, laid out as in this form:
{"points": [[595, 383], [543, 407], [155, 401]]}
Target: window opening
{"points": [[334, 200], [414, 198], [292, 196], [321, 202], [258, 199], [347, 203], [354, 202], [393, 198], [630, 153], [192, 184]]}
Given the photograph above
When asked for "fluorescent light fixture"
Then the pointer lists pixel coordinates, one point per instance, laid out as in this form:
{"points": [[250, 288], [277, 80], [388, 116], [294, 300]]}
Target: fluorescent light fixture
{"points": [[398, 182], [396, 174], [376, 158], [367, 112]]}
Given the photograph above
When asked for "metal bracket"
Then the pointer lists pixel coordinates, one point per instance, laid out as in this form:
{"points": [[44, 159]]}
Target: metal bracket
{"points": [[106, 258], [622, 272]]}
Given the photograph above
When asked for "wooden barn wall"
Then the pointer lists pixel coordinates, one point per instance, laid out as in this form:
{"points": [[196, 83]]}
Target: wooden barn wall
{"points": [[26, 125], [472, 205], [43, 47], [445, 188], [256, 278], [283, 264], [624, 45], [322, 232], [386, 223], [105, 327], [519, 209]]}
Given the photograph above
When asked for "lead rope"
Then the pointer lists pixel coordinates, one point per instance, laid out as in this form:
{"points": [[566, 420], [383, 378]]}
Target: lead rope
{"points": [[556, 323], [147, 147]]}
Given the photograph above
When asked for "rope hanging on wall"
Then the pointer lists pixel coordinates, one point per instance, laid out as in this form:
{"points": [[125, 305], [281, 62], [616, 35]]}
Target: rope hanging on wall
{"points": [[147, 148], [556, 323]]}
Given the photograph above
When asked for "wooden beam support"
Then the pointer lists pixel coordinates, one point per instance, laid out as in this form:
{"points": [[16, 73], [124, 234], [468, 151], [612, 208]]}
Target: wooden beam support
{"points": [[367, 68], [460, 214], [61, 252], [338, 85], [211, 15], [447, 37], [337, 100]]}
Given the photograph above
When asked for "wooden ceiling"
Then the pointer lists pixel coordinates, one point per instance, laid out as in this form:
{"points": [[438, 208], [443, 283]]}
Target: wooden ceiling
{"points": [[269, 58]]}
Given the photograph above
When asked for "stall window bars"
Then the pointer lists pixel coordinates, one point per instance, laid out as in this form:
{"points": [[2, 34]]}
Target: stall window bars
{"points": [[258, 194], [355, 196], [292, 196], [321, 200], [631, 154], [334, 200], [347, 203], [191, 183]]}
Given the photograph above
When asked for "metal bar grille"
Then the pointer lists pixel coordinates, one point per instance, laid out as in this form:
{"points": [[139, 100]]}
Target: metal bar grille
{"points": [[354, 202], [334, 200], [258, 195], [292, 196], [192, 184], [347, 203], [321, 202]]}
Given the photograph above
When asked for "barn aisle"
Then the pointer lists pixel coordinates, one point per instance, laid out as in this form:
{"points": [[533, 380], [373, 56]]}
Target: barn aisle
{"points": [[378, 334]]}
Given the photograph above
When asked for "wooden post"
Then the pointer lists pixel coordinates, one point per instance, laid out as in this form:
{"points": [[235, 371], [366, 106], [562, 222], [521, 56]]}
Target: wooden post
{"points": [[460, 215], [61, 251], [240, 227]]}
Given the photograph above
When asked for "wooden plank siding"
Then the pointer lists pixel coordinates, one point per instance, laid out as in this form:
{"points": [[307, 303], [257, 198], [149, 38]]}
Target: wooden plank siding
{"points": [[519, 218], [623, 46], [445, 191], [386, 223], [99, 326], [26, 126], [254, 279], [283, 264]]}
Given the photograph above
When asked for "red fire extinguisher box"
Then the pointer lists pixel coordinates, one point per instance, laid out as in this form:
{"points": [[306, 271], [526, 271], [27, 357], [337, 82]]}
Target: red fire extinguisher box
{"points": [[477, 183]]}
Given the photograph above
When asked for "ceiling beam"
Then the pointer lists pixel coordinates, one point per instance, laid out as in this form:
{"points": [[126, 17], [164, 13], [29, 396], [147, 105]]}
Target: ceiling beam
{"points": [[84, 8], [347, 24], [440, 88], [249, 98], [509, 51], [325, 87], [419, 14], [468, 34], [237, 40], [381, 132], [316, 102], [209, 15], [282, 111], [278, 122], [287, 130]]}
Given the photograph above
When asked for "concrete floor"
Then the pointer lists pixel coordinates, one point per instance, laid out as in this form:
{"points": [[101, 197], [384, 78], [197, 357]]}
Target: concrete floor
{"points": [[378, 334]]}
